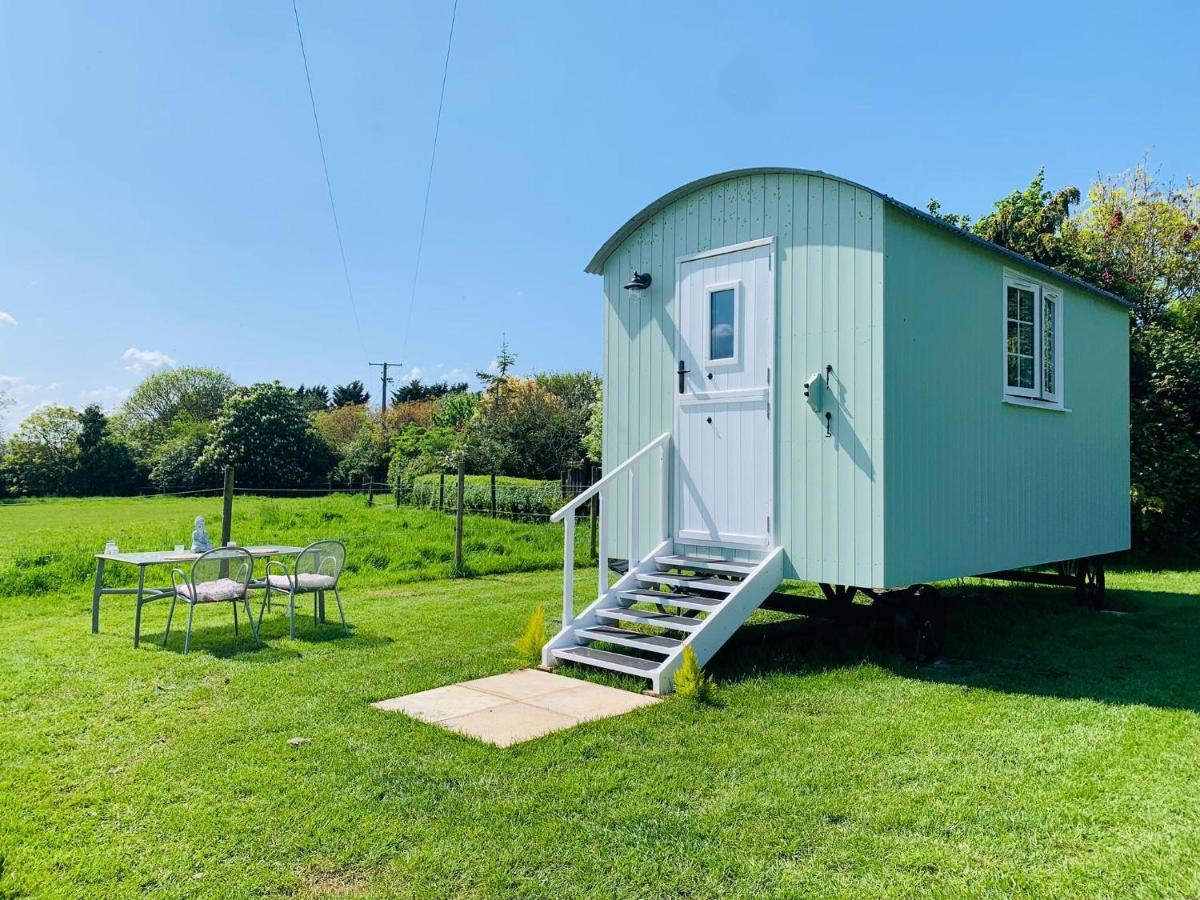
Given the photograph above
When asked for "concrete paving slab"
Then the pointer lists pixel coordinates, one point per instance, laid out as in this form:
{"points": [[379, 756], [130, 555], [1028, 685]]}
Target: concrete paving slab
{"points": [[586, 701], [442, 703], [518, 706], [509, 723], [521, 684]]}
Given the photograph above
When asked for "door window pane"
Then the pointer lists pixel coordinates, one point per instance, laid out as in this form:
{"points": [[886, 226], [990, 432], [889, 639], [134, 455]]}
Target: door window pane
{"points": [[721, 322]]}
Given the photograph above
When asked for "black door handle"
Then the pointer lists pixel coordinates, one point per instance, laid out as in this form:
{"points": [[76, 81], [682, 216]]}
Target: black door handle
{"points": [[681, 371]]}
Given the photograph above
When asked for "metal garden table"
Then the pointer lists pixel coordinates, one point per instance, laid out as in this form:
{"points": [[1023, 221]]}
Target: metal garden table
{"points": [[156, 558]]}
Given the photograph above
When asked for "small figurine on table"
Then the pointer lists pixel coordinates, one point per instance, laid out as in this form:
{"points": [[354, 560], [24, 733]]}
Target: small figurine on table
{"points": [[201, 543]]}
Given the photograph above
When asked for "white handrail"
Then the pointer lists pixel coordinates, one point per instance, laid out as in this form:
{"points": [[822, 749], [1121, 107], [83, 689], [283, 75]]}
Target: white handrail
{"points": [[587, 495], [567, 516]]}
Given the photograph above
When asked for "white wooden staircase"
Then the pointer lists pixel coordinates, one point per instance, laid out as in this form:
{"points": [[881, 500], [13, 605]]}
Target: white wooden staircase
{"points": [[664, 602]]}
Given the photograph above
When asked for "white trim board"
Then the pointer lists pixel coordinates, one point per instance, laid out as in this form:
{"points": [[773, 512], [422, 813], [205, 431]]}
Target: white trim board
{"points": [[732, 248], [735, 395]]}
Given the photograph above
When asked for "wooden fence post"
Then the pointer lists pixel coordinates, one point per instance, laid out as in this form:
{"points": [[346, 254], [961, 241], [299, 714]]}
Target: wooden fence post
{"points": [[493, 495], [370, 494], [441, 491], [227, 507], [458, 519], [226, 516]]}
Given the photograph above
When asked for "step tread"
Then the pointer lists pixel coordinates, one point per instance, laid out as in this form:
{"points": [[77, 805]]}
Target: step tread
{"points": [[707, 564], [606, 659], [691, 581], [648, 617], [655, 643], [670, 598]]}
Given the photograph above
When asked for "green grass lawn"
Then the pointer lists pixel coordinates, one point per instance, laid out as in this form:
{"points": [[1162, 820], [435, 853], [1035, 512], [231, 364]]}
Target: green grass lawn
{"points": [[1053, 752]]}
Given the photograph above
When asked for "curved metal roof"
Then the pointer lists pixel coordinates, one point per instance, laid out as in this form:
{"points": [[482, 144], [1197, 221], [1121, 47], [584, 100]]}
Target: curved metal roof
{"points": [[596, 266]]}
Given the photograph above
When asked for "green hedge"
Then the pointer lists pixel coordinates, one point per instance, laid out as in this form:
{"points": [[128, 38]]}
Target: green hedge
{"points": [[519, 498]]}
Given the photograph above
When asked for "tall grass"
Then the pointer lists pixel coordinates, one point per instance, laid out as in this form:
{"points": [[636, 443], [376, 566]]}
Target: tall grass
{"points": [[522, 498], [49, 545]]}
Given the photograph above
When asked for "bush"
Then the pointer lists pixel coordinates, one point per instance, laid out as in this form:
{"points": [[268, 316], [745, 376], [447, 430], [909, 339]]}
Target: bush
{"points": [[1165, 430], [529, 645], [266, 437], [173, 463], [524, 429], [41, 458], [690, 681], [518, 498], [417, 450]]}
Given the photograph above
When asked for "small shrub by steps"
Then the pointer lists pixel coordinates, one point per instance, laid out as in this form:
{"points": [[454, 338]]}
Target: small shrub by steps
{"points": [[529, 645], [691, 682]]}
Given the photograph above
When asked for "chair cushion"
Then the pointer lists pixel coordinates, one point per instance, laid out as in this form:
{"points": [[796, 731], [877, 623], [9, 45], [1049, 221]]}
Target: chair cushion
{"points": [[214, 591], [307, 582]]}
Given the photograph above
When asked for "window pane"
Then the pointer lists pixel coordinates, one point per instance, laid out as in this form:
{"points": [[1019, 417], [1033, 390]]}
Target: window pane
{"points": [[1025, 342], [1013, 344], [1048, 309], [721, 319], [1026, 371], [1025, 305], [1014, 374], [1012, 302]]}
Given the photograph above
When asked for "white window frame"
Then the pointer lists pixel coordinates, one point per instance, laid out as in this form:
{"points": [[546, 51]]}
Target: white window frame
{"points": [[725, 362], [1037, 395]]}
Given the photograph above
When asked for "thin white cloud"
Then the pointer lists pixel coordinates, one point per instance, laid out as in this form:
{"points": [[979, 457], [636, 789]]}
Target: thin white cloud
{"points": [[21, 384], [452, 375], [139, 362], [7, 319], [414, 372], [23, 396]]}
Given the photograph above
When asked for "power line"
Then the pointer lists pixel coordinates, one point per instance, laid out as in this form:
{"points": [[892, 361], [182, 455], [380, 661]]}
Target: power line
{"points": [[437, 127], [337, 227]]}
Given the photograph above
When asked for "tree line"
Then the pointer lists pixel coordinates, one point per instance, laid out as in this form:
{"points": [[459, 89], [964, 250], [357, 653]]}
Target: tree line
{"points": [[179, 428]]}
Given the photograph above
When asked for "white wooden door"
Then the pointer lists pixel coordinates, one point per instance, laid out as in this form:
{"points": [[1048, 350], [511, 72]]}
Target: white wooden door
{"points": [[725, 350]]}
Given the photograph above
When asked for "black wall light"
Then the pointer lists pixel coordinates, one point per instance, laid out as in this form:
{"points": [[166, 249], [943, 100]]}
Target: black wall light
{"points": [[639, 282]]}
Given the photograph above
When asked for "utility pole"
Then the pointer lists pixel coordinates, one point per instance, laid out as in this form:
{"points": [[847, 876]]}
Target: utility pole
{"points": [[384, 382]]}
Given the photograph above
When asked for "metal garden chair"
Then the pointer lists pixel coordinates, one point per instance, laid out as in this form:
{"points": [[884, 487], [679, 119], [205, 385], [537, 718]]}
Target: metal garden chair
{"points": [[316, 570], [218, 576]]}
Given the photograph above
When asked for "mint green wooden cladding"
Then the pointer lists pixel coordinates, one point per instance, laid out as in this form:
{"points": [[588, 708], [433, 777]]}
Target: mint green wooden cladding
{"points": [[927, 473], [975, 484]]}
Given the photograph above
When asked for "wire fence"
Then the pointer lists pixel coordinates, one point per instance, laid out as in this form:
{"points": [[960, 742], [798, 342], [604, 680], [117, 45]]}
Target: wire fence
{"points": [[440, 496]]}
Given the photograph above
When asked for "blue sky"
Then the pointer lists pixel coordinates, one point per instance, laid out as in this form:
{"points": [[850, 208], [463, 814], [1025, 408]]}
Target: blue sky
{"points": [[162, 202]]}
